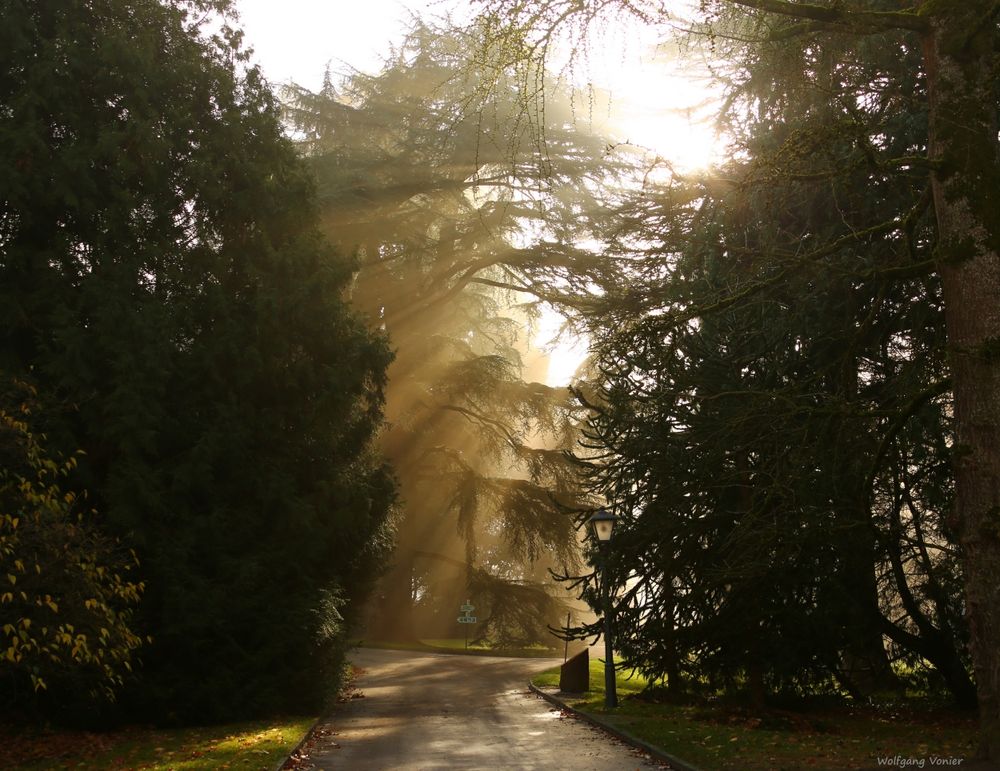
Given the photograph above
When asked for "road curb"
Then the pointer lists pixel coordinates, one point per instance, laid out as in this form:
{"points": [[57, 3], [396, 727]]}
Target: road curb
{"points": [[673, 761], [297, 747]]}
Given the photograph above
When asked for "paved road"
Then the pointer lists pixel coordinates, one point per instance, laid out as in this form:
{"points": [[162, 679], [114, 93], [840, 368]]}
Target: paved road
{"points": [[430, 711]]}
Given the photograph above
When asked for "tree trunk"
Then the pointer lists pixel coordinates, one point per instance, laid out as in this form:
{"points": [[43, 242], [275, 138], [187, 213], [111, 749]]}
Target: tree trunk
{"points": [[675, 685], [864, 662], [960, 61], [940, 652], [391, 608]]}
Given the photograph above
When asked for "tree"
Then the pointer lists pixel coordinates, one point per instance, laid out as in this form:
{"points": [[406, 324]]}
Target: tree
{"points": [[163, 278], [435, 185], [742, 449], [958, 44]]}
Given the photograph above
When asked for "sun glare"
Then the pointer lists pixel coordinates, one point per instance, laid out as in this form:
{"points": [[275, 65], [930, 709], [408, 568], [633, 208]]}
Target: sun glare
{"points": [[644, 92], [664, 114], [564, 350]]}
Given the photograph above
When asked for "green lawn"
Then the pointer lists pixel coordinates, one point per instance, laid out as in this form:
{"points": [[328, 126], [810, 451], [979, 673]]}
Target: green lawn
{"points": [[729, 738], [457, 645], [252, 746]]}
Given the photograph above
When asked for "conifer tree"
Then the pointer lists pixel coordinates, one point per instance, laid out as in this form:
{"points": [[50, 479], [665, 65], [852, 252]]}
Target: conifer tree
{"points": [[431, 180], [821, 247], [163, 278]]}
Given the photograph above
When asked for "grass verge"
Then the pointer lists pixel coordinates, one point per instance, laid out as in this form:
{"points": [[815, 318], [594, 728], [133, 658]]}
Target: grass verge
{"points": [[250, 746], [457, 646], [726, 738]]}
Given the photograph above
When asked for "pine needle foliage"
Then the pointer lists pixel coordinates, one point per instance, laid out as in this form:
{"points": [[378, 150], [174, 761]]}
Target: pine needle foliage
{"points": [[437, 186], [163, 278], [773, 380]]}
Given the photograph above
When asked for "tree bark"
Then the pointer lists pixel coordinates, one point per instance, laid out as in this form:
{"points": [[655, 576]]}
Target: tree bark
{"points": [[391, 608], [960, 60]]}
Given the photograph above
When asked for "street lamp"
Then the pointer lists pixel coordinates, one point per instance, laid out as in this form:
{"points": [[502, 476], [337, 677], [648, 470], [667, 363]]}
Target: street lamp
{"points": [[603, 525]]}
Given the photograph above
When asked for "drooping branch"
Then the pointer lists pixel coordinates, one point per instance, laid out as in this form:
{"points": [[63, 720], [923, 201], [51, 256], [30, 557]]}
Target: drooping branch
{"points": [[844, 19]]}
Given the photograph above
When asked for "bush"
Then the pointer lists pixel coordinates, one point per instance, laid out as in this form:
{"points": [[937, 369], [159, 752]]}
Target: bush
{"points": [[65, 596]]}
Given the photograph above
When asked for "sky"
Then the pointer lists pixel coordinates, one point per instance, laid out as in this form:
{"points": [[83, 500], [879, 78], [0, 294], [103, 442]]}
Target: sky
{"points": [[651, 104], [295, 40]]}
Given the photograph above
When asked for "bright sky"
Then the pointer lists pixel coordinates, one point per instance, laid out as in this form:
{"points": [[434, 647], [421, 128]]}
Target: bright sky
{"points": [[651, 102], [295, 40]]}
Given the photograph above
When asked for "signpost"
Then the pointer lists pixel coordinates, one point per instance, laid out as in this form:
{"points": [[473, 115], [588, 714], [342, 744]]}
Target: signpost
{"points": [[465, 618]]}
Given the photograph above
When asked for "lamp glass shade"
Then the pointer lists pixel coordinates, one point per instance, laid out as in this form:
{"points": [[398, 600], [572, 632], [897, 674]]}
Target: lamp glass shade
{"points": [[603, 523]]}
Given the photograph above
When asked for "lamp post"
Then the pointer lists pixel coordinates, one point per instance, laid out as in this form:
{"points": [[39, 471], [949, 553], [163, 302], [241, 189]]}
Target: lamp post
{"points": [[603, 524]]}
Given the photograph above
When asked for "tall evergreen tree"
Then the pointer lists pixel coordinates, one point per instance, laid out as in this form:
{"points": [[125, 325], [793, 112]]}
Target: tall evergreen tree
{"points": [[163, 279], [432, 180], [824, 238]]}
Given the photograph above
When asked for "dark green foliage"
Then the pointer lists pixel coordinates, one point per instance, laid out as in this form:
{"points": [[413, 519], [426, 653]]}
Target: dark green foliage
{"points": [[66, 601], [162, 275], [771, 416], [928, 109], [512, 614]]}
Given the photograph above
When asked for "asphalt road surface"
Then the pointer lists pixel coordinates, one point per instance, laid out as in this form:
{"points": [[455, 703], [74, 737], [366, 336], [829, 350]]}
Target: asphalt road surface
{"points": [[431, 711]]}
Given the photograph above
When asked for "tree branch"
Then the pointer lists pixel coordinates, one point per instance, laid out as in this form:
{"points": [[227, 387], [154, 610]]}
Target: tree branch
{"points": [[852, 20]]}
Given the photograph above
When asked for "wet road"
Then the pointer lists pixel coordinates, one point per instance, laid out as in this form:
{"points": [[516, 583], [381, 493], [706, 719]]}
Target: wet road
{"points": [[430, 711]]}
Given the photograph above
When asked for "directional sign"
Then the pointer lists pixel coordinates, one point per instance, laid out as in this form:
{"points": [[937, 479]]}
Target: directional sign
{"points": [[467, 619], [468, 608]]}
